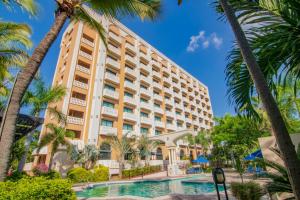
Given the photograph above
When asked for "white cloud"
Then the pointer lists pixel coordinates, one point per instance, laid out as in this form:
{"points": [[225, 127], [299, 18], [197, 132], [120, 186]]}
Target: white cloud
{"points": [[201, 40], [217, 41]]}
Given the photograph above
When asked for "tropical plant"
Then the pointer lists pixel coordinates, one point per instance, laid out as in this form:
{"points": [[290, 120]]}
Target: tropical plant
{"points": [[146, 147], [246, 191], [252, 64], [29, 6], [86, 157], [123, 146], [37, 100], [56, 136], [74, 10]]}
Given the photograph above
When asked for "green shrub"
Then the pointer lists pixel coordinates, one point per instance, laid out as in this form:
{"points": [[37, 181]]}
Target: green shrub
{"points": [[246, 191], [80, 175], [140, 171], [15, 176], [101, 173], [36, 189]]}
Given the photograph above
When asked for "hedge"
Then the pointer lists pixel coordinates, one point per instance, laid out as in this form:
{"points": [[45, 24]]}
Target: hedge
{"points": [[140, 171], [246, 191], [81, 175], [36, 189]]}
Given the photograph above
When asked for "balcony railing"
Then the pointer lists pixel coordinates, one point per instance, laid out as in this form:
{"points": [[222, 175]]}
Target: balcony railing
{"points": [[75, 120], [146, 79], [157, 85], [83, 69], [131, 72], [168, 90], [144, 56], [77, 101], [86, 55], [110, 93], [86, 41], [107, 130], [158, 110], [180, 117], [130, 85], [171, 126], [130, 47], [145, 67], [169, 102], [129, 116], [114, 50], [156, 74], [129, 100], [146, 120], [146, 92], [112, 77], [109, 111], [114, 37], [80, 84], [188, 120], [158, 97], [159, 124], [113, 63], [145, 105], [130, 59], [170, 114]]}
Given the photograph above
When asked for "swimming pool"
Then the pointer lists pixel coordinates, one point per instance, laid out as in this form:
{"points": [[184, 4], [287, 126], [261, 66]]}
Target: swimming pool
{"points": [[148, 189]]}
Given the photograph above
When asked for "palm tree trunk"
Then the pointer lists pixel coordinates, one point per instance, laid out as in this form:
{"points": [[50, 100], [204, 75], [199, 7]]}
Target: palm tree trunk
{"points": [[278, 126], [24, 79]]}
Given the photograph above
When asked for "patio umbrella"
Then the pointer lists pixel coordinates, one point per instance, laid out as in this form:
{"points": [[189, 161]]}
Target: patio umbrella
{"points": [[200, 159], [254, 155]]}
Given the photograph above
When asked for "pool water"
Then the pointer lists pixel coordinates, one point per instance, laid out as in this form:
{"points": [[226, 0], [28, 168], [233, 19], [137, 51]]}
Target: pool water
{"points": [[149, 189]]}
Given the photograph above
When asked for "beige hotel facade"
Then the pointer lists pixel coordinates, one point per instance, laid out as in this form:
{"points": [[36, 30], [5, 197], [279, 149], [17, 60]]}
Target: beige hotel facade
{"points": [[127, 87]]}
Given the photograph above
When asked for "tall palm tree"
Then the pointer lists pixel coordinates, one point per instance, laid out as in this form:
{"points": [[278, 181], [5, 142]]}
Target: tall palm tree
{"points": [[146, 147], [73, 10], [278, 125], [123, 146], [56, 137], [29, 6], [38, 100]]}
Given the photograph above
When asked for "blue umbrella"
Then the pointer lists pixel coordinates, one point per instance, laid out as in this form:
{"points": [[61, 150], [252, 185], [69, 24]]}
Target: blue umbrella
{"points": [[200, 159], [254, 155]]}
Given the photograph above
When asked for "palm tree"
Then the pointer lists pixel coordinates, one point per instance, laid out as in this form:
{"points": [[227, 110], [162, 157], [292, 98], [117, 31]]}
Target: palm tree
{"points": [[203, 139], [29, 6], [123, 146], [38, 100], [58, 136], [74, 10], [278, 125], [146, 146], [87, 157]]}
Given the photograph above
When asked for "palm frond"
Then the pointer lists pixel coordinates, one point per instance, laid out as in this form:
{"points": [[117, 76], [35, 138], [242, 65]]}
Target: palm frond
{"points": [[29, 6]]}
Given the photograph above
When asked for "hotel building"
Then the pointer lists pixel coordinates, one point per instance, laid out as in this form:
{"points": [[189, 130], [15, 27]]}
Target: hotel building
{"points": [[128, 87]]}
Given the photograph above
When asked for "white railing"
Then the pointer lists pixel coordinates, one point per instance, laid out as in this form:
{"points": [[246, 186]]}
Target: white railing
{"points": [[75, 120], [107, 130], [114, 37], [130, 71], [80, 84], [146, 67], [157, 97], [112, 77], [159, 124], [179, 106], [146, 79], [112, 63], [157, 74], [86, 55], [171, 127], [169, 102], [167, 80], [146, 120], [157, 85], [158, 110], [145, 105], [170, 114], [113, 49], [154, 62], [168, 90], [129, 116], [109, 111], [110, 93], [130, 85], [77, 101], [144, 56], [129, 100], [188, 120], [130, 47], [86, 41], [146, 92], [130, 59], [180, 117], [83, 69]]}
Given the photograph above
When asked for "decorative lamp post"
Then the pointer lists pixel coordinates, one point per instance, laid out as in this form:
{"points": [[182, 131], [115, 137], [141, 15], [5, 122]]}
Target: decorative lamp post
{"points": [[219, 178]]}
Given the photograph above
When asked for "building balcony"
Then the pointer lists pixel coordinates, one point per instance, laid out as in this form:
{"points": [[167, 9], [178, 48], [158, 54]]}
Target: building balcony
{"points": [[170, 114], [130, 86], [114, 50], [180, 117], [85, 55], [176, 85], [188, 120], [129, 133], [80, 84], [109, 111], [146, 80], [157, 85], [131, 72], [146, 120], [179, 106], [129, 100], [110, 94], [129, 116], [168, 91], [83, 69], [113, 78], [169, 102], [130, 47], [158, 110], [155, 63], [145, 67], [145, 56], [86, 41], [167, 80], [171, 127], [75, 120], [114, 37], [158, 97], [77, 101], [156, 74], [146, 105], [185, 99], [113, 63], [107, 130], [146, 92], [159, 124], [130, 60]]}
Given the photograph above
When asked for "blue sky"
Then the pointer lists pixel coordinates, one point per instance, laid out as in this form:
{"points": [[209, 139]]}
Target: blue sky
{"points": [[203, 55]]}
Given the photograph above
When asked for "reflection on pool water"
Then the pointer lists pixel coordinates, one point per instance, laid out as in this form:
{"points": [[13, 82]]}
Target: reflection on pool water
{"points": [[148, 189]]}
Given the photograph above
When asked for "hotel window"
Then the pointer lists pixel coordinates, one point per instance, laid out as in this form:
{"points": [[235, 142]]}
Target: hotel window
{"points": [[157, 118], [127, 127], [157, 132], [143, 114], [144, 130], [108, 123], [128, 110], [108, 104], [105, 151], [127, 94], [109, 87]]}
